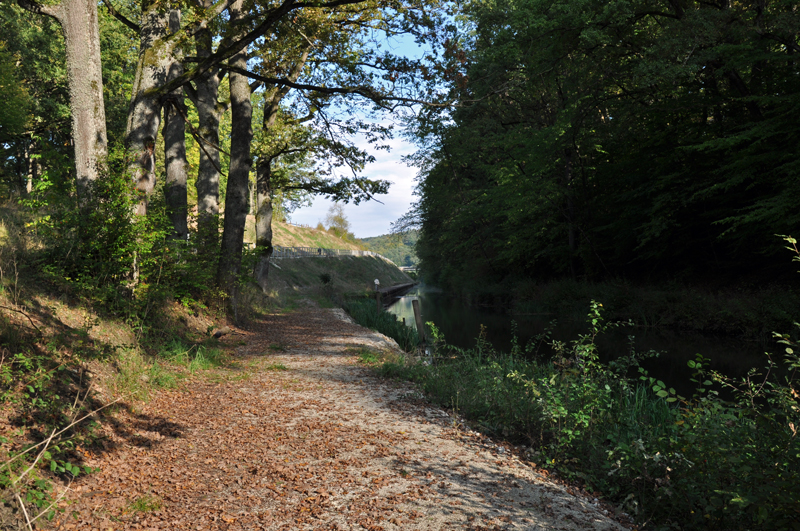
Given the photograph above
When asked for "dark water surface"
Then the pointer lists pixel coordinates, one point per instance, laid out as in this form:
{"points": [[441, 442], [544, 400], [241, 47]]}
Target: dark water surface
{"points": [[461, 324]]}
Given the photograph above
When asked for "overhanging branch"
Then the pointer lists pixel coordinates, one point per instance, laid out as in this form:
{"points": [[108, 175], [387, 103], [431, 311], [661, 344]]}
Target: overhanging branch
{"points": [[227, 49], [35, 7], [122, 18], [367, 92]]}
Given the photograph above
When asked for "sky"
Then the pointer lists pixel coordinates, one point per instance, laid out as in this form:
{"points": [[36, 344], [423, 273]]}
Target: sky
{"points": [[372, 218]]}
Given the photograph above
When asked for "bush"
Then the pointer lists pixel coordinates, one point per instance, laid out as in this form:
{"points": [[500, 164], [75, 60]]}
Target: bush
{"points": [[671, 461]]}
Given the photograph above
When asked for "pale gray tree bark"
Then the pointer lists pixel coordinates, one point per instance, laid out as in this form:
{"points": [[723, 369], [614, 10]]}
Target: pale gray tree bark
{"points": [[263, 222], [144, 113], [175, 144], [78, 19], [236, 193], [264, 210], [209, 111]]}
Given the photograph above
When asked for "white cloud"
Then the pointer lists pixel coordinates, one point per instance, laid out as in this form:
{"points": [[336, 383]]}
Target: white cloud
{"points": [[372, 218]]}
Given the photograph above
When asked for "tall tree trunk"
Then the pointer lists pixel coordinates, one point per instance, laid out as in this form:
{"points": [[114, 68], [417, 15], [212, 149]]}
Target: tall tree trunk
{"points": [[236, 193], [572, 234], [272, 97], [78, 19], [175, 145], [144, 118], [209, 111], [263, 222]]}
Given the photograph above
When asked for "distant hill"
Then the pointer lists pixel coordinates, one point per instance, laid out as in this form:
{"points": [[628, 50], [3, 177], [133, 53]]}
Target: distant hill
{"points": [[399, 248]]}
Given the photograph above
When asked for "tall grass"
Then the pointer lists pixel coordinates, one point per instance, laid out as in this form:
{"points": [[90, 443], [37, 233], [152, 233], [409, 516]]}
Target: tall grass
{"points": [[194, 357], [365, 313], [672, 462]]}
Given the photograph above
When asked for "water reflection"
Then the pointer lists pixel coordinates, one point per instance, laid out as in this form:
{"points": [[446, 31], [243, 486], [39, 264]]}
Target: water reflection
{"points": [[461, 324]]}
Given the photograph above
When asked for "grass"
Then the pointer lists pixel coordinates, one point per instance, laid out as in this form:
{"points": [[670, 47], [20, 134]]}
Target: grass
{"points": [[275, 367], [194, 357], [145, 504], [365, 313], [291, 236], [349, 276], [368, 356]]}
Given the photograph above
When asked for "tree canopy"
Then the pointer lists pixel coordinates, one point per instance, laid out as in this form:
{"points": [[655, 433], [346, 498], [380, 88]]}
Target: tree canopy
{"points": [[600, 139]]}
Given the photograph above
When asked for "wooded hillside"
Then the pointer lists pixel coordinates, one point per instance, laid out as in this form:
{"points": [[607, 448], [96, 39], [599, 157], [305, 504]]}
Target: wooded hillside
{"points": [[399, 248]]}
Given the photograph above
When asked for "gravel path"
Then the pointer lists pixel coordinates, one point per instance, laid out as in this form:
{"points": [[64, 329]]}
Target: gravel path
{"points": [[302, 436]]}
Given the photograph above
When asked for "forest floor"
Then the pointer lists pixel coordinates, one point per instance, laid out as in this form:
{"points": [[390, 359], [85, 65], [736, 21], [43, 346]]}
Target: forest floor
{"points": [[296, 433]]}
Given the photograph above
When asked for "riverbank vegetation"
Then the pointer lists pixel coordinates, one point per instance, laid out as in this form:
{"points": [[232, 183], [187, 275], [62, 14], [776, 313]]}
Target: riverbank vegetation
{"points": [[365, 313], [672, 462], [724, 457]]}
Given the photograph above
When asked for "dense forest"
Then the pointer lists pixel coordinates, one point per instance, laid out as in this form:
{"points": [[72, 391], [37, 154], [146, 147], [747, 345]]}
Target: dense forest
{"points": [[399, 248], [637, 139]]}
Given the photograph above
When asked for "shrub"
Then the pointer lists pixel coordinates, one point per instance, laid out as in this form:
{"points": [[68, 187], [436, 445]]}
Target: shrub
{"points": [[671, 461]]}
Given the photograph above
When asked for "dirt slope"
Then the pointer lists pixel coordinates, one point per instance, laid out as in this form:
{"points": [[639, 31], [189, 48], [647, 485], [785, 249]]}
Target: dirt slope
{"points": [[298, 435]]}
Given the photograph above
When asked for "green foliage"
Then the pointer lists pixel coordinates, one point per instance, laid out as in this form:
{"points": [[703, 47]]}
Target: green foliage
{"points": [[399, 248], [91, 245], [367, 356], [365, 313], [14, 104], [194, 357], [671, 461], [606, 140], [145, 504], [43, 385]]}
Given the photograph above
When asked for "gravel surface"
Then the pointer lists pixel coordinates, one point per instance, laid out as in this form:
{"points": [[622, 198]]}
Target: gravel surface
{"points": [[300, 435]]}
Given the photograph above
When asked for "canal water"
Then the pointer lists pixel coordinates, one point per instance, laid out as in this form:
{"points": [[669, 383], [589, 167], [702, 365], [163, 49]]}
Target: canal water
{"points": [[461, 325]]}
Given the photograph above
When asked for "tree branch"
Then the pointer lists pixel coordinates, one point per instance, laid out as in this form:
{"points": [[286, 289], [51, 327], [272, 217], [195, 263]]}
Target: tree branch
{"points": [[122, 18], [212, 12], [227, 50], [789, 44], [35, 7], [366, 92]]}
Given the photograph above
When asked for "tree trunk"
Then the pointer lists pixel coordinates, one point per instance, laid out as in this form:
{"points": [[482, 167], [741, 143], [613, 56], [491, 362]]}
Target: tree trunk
{"points": [[78, 19], [263, 222], [264, 210], [175, 145], [144, 118], [209, 111], [572, 236], [236, 193]]}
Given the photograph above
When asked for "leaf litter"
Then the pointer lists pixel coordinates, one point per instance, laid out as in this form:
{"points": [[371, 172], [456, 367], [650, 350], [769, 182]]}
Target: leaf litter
{"points": [[320, 444]]}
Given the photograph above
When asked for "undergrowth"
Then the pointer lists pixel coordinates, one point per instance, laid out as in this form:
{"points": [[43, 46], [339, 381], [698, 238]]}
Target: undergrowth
{"points": [[672, 462], [100, 261]]}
